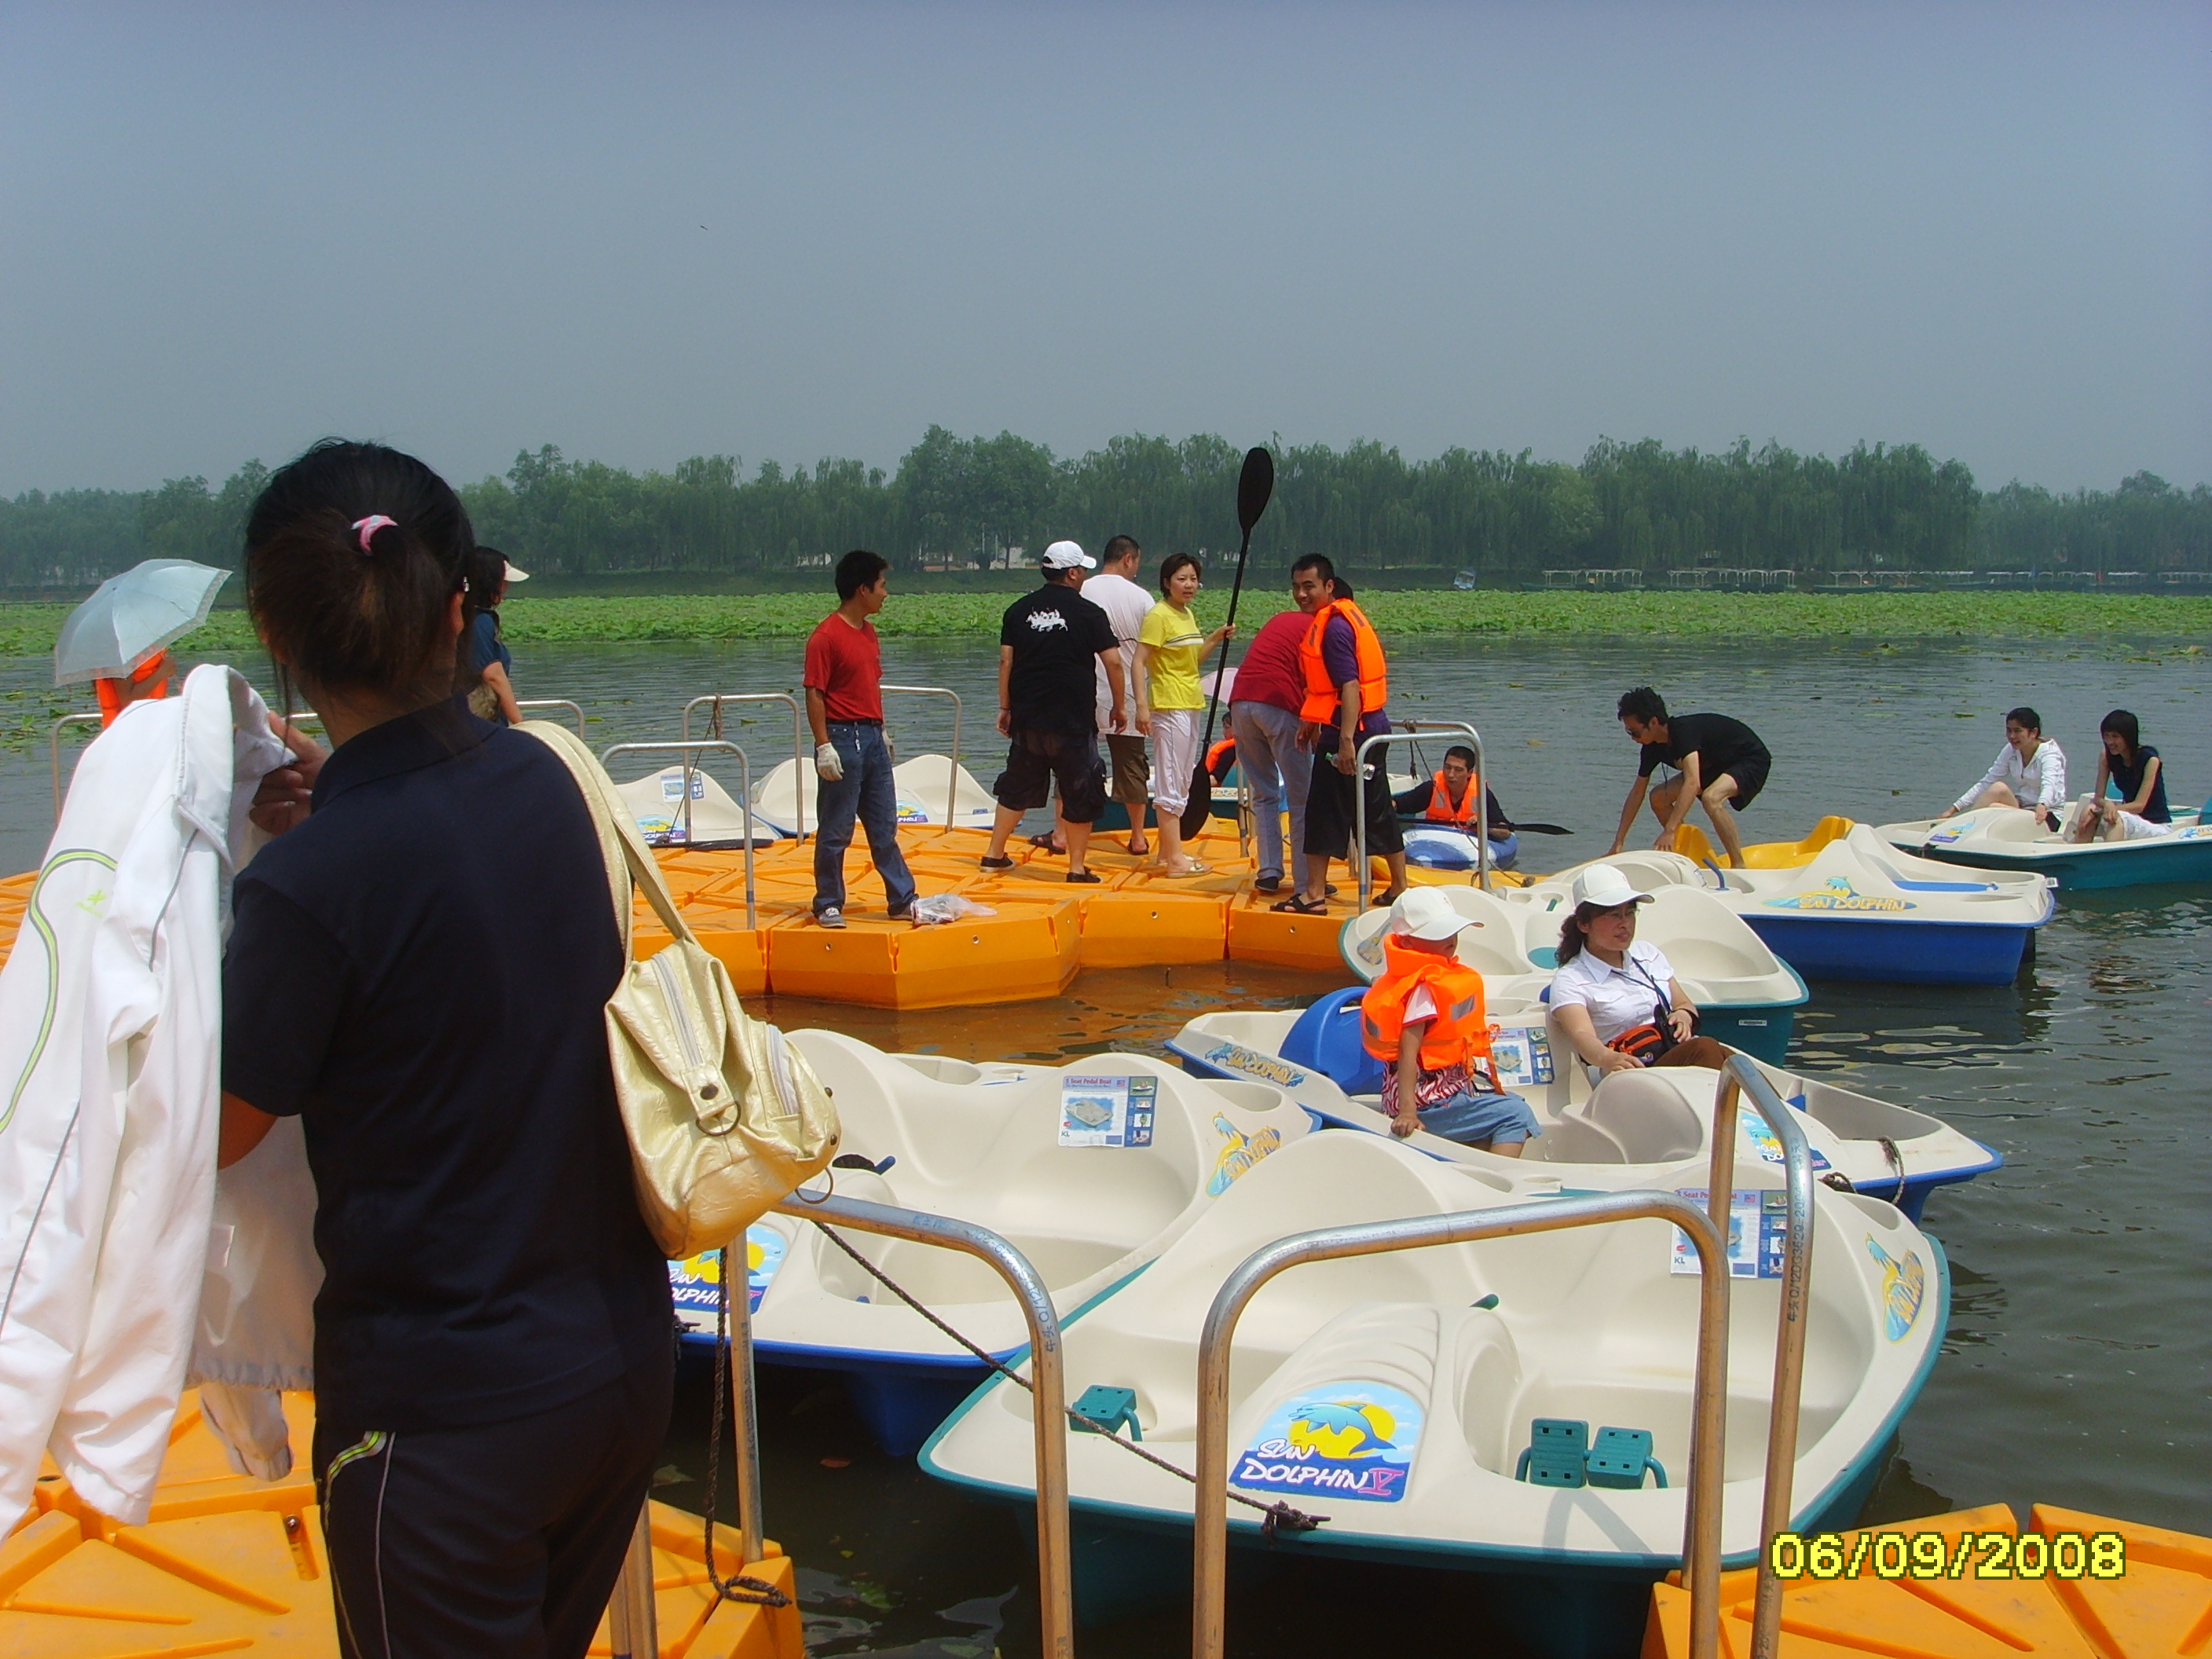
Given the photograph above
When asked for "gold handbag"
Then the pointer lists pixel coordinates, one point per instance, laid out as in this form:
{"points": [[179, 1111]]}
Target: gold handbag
{"points": [[724, 1118]]}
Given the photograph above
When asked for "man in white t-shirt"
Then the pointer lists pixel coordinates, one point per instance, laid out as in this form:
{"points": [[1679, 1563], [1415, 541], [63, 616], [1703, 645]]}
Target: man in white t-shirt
{"points": [[1113, 590]]}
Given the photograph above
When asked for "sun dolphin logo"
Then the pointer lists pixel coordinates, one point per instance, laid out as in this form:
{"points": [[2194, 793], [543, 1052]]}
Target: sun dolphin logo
{"points": [[1354, 1440]]}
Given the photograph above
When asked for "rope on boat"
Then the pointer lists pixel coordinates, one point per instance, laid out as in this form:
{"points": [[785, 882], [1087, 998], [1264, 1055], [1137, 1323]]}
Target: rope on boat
{"points": [[1281, 1517]]}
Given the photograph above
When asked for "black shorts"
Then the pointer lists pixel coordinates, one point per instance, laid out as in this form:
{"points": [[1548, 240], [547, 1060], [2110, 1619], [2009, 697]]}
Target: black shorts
{"points": [[1329, 807], [1036, 760], [1750, 776]]}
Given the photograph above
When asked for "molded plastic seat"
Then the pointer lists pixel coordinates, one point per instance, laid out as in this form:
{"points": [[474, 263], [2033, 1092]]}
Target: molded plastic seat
{"points": [[1326, 1039], [1646, 1116]]}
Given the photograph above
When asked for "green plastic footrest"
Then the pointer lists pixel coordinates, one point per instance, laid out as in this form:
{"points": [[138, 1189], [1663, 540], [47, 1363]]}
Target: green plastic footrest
{"points": [[1620, 1459], [1557, 1448], [1109, 1410]]}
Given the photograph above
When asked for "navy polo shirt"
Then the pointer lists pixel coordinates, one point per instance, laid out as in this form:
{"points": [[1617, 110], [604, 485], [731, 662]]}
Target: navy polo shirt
{"points": [[420, 971]]}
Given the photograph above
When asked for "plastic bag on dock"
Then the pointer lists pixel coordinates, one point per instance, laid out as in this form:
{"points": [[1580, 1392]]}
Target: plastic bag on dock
{"points": [[940, 908]]}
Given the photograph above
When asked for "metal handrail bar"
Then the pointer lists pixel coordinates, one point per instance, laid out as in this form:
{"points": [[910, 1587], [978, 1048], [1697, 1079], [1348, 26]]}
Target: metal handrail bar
{"points": [[1739, 1076], [1055, 1590], [54, 748], [633, 1623], [952, 772], [573, 709], [1701, 1565], [799, 752], [687, 747], [1412, 731]]}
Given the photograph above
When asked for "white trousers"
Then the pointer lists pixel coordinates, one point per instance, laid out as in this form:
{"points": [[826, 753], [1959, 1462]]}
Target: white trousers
{"points": [[1174, 757]]}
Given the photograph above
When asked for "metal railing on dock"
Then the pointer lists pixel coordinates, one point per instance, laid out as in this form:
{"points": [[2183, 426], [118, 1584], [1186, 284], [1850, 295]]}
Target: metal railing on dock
{"points": [[687, 748], [952, 771], [800, 753], [1413, 731]]}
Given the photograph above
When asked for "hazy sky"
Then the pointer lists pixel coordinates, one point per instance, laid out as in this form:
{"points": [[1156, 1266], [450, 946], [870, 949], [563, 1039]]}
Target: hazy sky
{"points": [[648, 231]]}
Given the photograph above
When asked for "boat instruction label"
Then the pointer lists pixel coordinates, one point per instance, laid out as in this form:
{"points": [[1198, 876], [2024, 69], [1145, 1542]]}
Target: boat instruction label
{"points": [[694, 1283], [1759, 1234], [1353, 1439], [671, 786], [1521, 1055], [1108, 1111]]}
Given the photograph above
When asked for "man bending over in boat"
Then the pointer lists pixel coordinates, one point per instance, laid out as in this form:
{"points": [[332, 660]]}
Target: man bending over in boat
{"points": [[1722, 761], [1614, 998], [2029, 771], [1447, 799], [2134, 765], [1423, 1020]]}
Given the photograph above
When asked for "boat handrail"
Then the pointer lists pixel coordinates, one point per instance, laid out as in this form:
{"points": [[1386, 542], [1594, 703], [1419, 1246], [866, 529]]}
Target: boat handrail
{"points": [[1702, 1531], [1055, 1592], [1740, 1076], [575, 709], [687, 747], [1412, 731], [799, 751], [952, 772]]}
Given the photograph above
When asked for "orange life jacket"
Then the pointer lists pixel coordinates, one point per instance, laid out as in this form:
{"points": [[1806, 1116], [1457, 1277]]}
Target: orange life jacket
{"points": [[1218, 757], [1460, 1030], [1440, 809], [117, 694], [1320, 702]]}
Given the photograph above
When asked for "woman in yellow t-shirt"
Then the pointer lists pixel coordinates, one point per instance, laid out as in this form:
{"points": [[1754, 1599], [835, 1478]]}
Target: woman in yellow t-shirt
{"points": [[1171, 700]]}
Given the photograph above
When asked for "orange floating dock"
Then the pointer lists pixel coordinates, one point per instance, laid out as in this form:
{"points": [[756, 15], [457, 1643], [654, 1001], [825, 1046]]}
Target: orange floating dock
{"points": [[229, 1563], [1043, 933], [2070, 1586]]}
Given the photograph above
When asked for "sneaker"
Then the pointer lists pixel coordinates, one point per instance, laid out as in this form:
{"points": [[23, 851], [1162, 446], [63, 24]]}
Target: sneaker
{"points": [[906, 913], [833, 917], [1269, 884]]}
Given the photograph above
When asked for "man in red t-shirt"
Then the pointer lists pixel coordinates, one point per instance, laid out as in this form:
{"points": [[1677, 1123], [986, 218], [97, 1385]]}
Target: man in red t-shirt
{"points": [[852, 765], [1263, 718]]}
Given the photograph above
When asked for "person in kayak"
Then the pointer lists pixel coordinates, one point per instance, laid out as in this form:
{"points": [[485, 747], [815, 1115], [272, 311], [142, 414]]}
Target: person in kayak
{"points": [[2029, 772], [1423, 1020], [1448, 800], [2134, 768], [419, 970], [1615, 997], [1722, 763]]}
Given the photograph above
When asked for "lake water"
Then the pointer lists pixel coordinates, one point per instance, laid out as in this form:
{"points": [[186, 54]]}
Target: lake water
{"points": [[2080, 1353]]}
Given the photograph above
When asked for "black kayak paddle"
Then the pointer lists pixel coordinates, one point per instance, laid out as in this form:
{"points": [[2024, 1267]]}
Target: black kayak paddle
{"points": [[1255, 484]]}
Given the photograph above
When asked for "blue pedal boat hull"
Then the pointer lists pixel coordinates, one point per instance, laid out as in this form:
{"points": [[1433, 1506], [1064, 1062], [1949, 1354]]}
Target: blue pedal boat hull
{"points": [[1887, 952]]}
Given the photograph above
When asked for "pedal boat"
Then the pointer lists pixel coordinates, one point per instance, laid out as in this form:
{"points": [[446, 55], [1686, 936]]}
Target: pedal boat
{"points": [[1745, 994], [1645, 1122], [787, 793], [990, 1146], [714, 820], [1858, 908], [1398, 1395], [2005, 838]]}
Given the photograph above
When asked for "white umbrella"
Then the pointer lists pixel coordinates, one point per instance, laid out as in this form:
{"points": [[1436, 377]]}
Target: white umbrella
{"points": [[130, 617]]}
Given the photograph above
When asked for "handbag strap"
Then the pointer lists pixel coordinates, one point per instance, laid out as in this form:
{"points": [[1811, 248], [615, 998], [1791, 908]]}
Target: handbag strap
{"points": [[611, 815]]}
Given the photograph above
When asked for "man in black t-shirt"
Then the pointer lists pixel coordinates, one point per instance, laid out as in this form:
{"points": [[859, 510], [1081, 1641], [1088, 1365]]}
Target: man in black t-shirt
{"points": [[1052, 643], [1722, 761]]}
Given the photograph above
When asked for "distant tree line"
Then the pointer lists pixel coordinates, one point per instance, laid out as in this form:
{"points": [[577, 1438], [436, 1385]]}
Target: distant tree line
{"points": [[959, 503]]}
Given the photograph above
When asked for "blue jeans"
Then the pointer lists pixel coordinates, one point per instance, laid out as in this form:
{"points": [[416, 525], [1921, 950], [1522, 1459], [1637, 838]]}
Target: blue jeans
{"points": [[1267, 754], [866, 792], [1479, 1115]]}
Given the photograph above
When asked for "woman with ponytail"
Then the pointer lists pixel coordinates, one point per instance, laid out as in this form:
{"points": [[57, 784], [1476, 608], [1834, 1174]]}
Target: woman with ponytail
{"points": [[418, 970]]}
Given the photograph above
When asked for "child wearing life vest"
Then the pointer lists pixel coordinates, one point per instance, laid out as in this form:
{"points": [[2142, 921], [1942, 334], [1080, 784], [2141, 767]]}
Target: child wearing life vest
{"points": [[1425, 1019]]}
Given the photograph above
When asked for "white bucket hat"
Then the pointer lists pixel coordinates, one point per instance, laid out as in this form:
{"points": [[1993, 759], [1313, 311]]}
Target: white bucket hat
{"points": [[514, 575], [1427, 913], [1068, 555], [1607, 888]]}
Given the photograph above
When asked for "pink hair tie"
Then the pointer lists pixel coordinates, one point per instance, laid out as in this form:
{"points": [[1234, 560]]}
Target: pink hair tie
{"points": [[365, 529]]}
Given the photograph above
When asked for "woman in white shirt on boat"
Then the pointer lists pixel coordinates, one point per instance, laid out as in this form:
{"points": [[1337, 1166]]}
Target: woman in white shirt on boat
{"points": [[2029, 771], [1611, 989]]}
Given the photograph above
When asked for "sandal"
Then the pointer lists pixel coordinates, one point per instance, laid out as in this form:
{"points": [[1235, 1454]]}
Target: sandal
{"points": [[1299, 905], [1046, 844], [996, 864]]}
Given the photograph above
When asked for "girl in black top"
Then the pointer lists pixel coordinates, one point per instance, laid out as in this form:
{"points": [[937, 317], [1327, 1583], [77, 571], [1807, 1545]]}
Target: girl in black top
{"points": [[2133, 766], [418, 969]]}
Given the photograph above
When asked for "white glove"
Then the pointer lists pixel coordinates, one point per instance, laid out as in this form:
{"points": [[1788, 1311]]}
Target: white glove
{"points": [[826, 762]]}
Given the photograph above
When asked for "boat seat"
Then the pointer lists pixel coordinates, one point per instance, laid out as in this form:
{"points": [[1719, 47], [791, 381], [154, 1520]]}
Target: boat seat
{"points": [[1644, 1115], [1326, 1039], [1620, 1459], [1555, 1454]]}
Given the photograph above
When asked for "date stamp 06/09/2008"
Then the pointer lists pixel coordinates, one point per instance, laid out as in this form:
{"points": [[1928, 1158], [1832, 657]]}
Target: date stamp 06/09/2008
{"points": [[1927, 1555]]}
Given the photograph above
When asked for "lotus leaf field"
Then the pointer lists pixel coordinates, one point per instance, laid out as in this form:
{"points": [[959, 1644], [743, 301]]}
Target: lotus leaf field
{"points": [[29, 629]]}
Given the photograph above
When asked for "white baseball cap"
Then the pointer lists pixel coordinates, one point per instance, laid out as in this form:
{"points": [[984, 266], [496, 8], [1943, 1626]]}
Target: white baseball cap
{"points": [[1607, 888], [1066, 555], [514, 575], [1426, 913]]}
